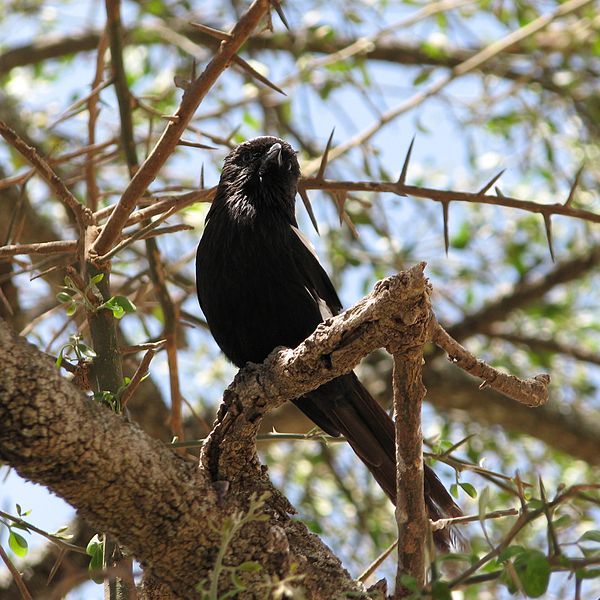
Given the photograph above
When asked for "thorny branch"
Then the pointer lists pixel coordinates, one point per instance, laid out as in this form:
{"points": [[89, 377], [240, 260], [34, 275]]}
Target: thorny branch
{"points": [[192, 98]]}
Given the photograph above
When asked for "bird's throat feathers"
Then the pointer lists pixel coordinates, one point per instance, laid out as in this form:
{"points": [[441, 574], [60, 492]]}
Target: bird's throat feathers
{"points": [[258, 203]]}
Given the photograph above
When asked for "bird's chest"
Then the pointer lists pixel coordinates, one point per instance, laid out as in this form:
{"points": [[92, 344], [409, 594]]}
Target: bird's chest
{"points": [[253, 294]]}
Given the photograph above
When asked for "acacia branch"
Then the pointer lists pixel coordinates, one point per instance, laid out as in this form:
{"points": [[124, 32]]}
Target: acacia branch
{"points": [[82, 215], [531, 392], [411, 516], [192, 98], [399, 188], [53, 435]]}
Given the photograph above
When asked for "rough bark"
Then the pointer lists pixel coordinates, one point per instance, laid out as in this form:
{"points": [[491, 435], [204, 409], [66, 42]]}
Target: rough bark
{"points": [[167, 513]]}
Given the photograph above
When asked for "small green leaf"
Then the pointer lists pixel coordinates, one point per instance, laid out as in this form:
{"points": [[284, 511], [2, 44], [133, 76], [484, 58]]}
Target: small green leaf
{"points": [[461, 556], [125, 303], [537, 573], [593, 535], [93, 544], [250, 566], [119, 305], [409, 582], [97, 278], [95, 549], [423, 76], [440, 591], [85, 350], [64, 297], [71, 309], [454, 490], [587, 573], [18, 544], [469, 489]]}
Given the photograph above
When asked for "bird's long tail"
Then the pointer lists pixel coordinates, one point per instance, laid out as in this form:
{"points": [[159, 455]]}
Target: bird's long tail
{"points": [[343, 406]]}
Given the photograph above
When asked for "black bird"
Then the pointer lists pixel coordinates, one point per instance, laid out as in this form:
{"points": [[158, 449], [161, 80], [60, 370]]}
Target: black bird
{"points": [[260, 285]]}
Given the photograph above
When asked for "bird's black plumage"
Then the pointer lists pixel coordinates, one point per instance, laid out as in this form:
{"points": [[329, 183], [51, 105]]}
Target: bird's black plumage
{"points": [[260, 285]]}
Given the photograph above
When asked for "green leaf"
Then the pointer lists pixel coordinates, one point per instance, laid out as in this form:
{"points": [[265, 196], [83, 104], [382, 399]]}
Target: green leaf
{"points": [[587, 573], [536, 575], [469, 489], [95, 549], [97, 278], [250, 566], [461, 556], [93, 544], [71, 309], [454, 490], [533, 570], [85, 350], [462, 238], [593, 535], [440, 591], [17, 543], [119, 305], [423, 76], [64, 297], [408, 582]]}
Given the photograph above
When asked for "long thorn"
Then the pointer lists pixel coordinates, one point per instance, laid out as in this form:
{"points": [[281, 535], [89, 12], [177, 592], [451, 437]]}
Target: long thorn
{"points": [[445, 211], [402, 178], [309, 209], [202, 176], [325, 157], [548, 226], [491, 182], [215, 33], [191, 144], [277, 6], [252, 71], [574, 186]]}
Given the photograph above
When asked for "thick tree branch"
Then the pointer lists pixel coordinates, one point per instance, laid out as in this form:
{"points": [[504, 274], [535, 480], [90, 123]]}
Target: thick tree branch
{"points": [[411, 515], [158, 505]]}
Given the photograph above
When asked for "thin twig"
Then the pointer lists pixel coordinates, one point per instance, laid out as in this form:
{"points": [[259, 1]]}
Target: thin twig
{"points": [[82, 215], [93, 112], [49, 536], [138, 377], [16, 575]]}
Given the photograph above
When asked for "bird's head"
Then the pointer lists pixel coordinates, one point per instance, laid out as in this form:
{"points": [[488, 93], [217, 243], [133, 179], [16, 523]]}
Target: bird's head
{"points": [[263, 171]]}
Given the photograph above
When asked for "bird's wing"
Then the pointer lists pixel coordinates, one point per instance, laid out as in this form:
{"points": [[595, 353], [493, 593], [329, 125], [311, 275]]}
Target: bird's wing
{"points": [[317, 281]]}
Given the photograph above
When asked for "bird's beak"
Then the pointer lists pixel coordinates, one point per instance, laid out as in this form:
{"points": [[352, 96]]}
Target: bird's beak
{"points": [[274, 153]]}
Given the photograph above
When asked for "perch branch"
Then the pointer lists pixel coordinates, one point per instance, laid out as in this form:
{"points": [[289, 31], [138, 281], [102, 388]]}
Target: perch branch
{"points": [[531, 392]]}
